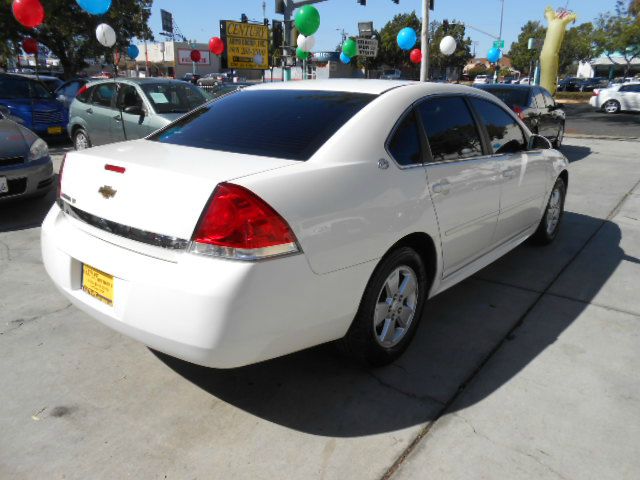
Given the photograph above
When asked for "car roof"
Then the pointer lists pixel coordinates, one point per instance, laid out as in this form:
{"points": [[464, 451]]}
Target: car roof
{"points": [[505, 86], [139, 81], [354, 85]]}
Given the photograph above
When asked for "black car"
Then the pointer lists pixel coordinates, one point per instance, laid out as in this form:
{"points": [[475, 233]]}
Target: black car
{"points": [[570, 84], [590, 84], [535, 106], [191, 77]]}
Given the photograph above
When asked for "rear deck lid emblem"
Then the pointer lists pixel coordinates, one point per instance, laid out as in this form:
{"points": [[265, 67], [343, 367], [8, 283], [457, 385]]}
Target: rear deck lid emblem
{"points": [[107, 192]]}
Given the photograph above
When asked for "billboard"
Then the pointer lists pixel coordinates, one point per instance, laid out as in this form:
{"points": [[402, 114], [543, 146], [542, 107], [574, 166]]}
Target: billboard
{"points": [[167, 21], [245, 43], [184, 57]]}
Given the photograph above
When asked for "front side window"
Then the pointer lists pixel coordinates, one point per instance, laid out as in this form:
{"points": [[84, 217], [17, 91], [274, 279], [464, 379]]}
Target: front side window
{"points": [[12, 88], [173, 97], [510, 96], [450, 128], [504, 132], [404, 145], [128, 97], [289, 124], [103, 93], [538, 99], [39, 91]]}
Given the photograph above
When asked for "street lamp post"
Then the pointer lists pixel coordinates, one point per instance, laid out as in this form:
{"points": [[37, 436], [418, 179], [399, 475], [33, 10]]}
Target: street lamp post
{"points": [[424, 39], [162, 51]]}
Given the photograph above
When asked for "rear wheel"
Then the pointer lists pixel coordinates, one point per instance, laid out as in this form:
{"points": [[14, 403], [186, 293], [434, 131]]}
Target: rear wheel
{"points": [[81, 140], [611, 106], [390, 309], [550, 223]]}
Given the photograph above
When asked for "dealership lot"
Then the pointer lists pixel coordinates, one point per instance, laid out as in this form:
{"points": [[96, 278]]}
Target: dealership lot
{"points": [[524, 371]]}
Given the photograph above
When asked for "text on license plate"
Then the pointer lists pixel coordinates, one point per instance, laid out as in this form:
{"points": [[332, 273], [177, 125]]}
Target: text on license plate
{"points": [[54, 130], [4, 186], [97, 284]]}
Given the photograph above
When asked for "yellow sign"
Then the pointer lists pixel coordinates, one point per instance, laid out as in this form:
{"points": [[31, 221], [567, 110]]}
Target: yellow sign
{"points": [[247, 45]]}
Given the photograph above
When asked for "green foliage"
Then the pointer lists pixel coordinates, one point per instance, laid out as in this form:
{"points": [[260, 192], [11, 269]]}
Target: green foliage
{"points": [[619, 32], [521, 56], [460, 57], [389, 53], [578, 45], [69, 33], [479, 70]]}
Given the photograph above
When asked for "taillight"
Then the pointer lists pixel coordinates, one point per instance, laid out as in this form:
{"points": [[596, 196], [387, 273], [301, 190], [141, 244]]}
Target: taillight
{"points": [[518, 111], [59, 193], [83, 89], [596, 92], [238, 224]]}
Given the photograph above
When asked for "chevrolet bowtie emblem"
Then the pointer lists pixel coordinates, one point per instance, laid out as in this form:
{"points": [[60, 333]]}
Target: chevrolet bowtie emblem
{"points": [[107, 192]]}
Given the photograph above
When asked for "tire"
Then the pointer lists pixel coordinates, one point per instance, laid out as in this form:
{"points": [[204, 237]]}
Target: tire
{"points": [[379, 341], [550, 222], [81, 140], [611, 106], [557, 143]]}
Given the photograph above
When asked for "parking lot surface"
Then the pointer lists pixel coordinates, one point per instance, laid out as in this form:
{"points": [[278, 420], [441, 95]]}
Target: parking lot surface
{"points": [[526, 370]]}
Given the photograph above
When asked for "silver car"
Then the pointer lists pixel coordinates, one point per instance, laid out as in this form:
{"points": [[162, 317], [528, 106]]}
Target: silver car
{"points": [[26, 169], [110, 111]]}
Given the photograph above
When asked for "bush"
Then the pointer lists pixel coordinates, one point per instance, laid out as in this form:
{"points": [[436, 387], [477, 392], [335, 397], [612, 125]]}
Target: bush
{"points": [[583, 96]]}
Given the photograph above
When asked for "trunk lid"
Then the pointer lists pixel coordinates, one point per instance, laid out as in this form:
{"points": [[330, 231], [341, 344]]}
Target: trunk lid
{"points": [[164, 188]]}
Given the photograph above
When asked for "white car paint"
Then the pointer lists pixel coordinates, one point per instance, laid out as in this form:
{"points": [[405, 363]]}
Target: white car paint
{"points": [[627, 95], [344, 210]]}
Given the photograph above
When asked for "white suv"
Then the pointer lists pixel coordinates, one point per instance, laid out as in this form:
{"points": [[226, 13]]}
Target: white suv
{"points": [[617, 98]]}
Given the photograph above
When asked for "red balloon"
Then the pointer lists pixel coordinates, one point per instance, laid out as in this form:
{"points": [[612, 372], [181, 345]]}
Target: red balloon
{"points": [[29, 13], [216, 45], [195, 55], [416, 55], [29, 45]]}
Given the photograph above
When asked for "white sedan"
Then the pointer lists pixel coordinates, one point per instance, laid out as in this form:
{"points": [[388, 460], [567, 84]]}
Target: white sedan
{"points": [[625, 97], [292, 214]]}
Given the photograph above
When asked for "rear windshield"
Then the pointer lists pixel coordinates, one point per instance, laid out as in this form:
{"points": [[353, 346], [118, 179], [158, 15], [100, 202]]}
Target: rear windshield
{"points": [[173, 97], [511, 96], [289, 124]]}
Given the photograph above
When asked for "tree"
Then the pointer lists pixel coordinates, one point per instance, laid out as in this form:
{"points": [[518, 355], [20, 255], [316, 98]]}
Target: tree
{"points": [[521, 56], [460, 57], [69, 32], [578, 45], [389, 53], [618, 33], [634, 8]]}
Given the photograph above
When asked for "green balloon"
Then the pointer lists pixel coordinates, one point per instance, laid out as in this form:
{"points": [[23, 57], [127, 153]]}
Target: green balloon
{"points": [[350, 48], [302, 55], [307, 20]]}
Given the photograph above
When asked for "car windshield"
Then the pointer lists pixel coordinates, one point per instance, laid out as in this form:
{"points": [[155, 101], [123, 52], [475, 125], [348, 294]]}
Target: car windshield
{"points": [[173, 97], [11, 87], [511, 96], [289, 124]]}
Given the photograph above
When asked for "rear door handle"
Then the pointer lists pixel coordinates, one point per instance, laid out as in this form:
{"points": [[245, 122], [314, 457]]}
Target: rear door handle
{"points": [[117, 118], [441, 187], [89, 110], [509, 172]]}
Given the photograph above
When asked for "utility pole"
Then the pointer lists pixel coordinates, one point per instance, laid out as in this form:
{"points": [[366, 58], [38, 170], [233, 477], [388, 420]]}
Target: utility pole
{"points": [[424, 39]]}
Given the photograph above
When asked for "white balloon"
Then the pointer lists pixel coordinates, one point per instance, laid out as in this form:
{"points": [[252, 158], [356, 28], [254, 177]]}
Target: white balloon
{"points": [[306, 44], [258, 59], [448, 45], [106, 35]]}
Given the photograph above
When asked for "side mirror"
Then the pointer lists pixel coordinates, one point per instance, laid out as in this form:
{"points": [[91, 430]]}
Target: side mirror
{"points": [[134, 110], [538, 142], [61, 98]]}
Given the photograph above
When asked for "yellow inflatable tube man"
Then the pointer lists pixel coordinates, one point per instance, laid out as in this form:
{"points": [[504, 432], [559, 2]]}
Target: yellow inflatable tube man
{"points": [[550, 55]]}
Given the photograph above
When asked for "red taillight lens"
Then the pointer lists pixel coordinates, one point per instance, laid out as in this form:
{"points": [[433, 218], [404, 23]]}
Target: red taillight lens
{"points": [[59, 193], [596, 92], [83, 89], [238, 224], [518, 111]]}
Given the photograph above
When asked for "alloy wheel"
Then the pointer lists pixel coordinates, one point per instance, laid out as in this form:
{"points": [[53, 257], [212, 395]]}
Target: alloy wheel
{"points": [[554, 210], [396, 306]]}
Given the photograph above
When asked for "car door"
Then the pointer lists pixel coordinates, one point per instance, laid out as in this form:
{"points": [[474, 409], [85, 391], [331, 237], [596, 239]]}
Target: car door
{"points": [[553, 114], [130, 125], [633, 96], [99, 114], [463, 180], [541, 113], [523, 174]]}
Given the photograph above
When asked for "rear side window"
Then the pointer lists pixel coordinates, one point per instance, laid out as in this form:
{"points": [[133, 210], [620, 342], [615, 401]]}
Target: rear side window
{"points": [[84, 96], [450, 128], [538, 99], [289, 124], [511, 96], [504, 132], [404, 145], [102, 94], [173, 97]]}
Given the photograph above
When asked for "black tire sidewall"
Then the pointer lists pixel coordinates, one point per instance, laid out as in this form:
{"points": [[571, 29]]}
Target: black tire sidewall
{"points": [[613, 102], [563, 190]]}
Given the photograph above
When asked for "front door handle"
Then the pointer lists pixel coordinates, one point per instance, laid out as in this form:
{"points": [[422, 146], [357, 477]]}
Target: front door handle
{"points": [[441, 187], [509, 172], [117, 118], [89, 110]]}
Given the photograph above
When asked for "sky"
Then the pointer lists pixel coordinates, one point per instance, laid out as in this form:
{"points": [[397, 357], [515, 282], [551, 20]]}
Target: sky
{"points": [[199, 19]]}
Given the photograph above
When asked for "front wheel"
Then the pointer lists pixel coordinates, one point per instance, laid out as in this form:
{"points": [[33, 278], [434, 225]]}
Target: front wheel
{"points": [[390, 309], [550, 223], [611, 106], [81, 140]]}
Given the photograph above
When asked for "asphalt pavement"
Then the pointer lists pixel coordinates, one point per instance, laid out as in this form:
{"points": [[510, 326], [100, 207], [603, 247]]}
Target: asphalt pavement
{"points": [[584, 120], [526, 370]]}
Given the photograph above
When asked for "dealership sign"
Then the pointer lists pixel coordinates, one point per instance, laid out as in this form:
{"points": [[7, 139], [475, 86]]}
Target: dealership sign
{"points": [[246, 44], [367, 47], [184, 57]]}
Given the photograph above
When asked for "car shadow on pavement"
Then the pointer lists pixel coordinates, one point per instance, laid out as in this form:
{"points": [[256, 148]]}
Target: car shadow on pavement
{"points": [[575, 152], [19, 214], [320, 392]]}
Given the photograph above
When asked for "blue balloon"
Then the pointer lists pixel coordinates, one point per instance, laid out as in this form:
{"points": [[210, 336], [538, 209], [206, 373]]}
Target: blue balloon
{"points": [[344, 58], [494, 55], [95, 7], [133, 52], [407, 38]]}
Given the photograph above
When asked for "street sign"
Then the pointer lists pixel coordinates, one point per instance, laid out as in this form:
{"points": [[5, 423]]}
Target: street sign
{"points": [[245, 43], [534, 43], [367, 47], [498, 44], [167, 21]]}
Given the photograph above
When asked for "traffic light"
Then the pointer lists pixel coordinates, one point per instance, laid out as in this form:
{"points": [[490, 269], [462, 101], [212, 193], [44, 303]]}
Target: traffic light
{"points": [[362, 2], [276, 32], [243, 18], [280, 7]]}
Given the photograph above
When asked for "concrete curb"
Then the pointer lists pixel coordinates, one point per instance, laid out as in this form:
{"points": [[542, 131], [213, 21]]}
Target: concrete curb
{"points": [[601, 137]]}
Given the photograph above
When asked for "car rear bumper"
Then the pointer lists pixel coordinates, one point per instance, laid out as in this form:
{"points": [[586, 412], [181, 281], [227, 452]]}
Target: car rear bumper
{"points": [[594, 102], [213, 312], [28, 179]]}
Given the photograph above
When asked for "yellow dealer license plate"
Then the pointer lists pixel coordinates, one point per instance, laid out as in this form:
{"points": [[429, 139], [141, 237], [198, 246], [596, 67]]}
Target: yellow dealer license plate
{"points": [[97, 284], [54, 130]]}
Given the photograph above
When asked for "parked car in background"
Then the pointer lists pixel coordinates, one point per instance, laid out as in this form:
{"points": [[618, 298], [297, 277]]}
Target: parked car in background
{"points": [[224, 88], [590, 84], [191, 77], [524, 81], [52, 83], [126, 109], [211, 79], [536, 108], [66, 92], [619, 98], [33, 105], [26, 169], [391, 74], [480, 79], [570, 84]]}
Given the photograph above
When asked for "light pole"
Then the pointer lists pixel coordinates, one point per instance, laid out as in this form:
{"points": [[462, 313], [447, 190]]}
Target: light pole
{"points": [[162, 51], [424, 39], [192, 44]]}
